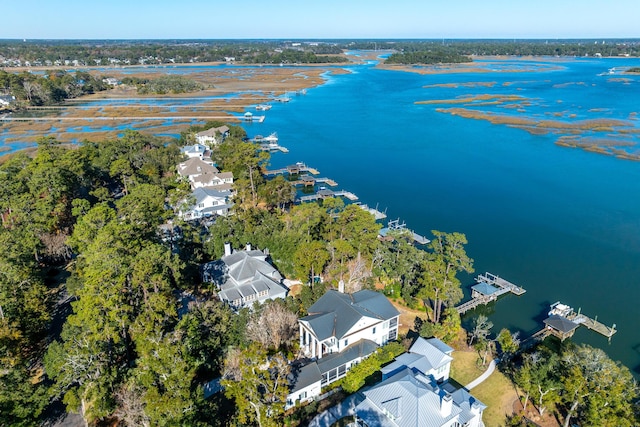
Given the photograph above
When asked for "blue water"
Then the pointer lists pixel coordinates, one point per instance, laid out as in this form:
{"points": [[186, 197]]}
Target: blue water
{"points": [[564, 223]]}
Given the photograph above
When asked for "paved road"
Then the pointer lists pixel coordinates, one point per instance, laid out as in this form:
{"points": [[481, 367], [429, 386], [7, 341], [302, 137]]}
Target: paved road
{"points": [[486, 374]]}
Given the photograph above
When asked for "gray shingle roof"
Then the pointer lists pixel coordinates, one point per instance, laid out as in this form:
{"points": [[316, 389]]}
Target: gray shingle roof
{"points": [[360, 349], [560, 323], [335, 313], [195, 166], [304, 376]]}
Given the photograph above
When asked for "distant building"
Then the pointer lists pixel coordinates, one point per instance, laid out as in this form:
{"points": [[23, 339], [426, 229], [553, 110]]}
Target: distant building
{"points": [[7, 100], [197, 150], [202, 174], [244, 277], [111, 81], [213, 136], [208, 202]]}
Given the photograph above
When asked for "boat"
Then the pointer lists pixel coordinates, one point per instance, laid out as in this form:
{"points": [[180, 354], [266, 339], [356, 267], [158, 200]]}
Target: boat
{"points": [[263, 107], [559, 309], [271, 139]]}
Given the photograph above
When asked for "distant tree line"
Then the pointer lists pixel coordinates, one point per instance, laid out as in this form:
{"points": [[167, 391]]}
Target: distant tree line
{"points": [[427, 57], [51, 88], [163, 85]]}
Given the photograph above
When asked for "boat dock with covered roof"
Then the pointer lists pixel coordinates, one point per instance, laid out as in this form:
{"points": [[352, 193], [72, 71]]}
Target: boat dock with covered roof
{"points": [[488, 288]]}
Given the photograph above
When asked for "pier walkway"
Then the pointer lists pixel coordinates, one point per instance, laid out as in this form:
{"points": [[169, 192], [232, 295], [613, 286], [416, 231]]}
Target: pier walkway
{"points": [[325, 193], [488, 288], [292, 170], [503, 285]]}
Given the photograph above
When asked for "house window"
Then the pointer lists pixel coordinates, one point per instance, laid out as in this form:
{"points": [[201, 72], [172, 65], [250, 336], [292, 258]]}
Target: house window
{"points": [[346, 343], [303, 395], [393, 334], [374, 330], [342, 369], [201, 205], [393, 322]]}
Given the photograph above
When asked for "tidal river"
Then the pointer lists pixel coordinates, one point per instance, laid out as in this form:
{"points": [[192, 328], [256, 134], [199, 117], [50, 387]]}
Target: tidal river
{"points": [[440, 151]]}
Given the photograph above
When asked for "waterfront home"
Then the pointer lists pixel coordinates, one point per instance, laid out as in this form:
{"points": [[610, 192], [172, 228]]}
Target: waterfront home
{"points": [[337, 320], [431, 357], [197, 150], [411, 399], [201, 174], [415, 392], [244, 277], [339, 332], [207, 203], [213, 136]]}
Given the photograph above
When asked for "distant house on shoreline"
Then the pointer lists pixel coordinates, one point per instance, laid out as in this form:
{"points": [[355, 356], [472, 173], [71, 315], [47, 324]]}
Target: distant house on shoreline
{"points": [[212, 136]]}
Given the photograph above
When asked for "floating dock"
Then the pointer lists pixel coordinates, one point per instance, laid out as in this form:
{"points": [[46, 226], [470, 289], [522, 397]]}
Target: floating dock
{"points": [[488, 288], [273, 147]]}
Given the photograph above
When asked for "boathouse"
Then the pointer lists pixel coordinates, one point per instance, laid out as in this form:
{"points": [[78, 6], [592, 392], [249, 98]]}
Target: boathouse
{"points": [[560, 326]]}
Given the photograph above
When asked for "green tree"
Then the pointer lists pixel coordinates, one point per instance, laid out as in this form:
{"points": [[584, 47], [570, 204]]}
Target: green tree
{"points": [[439, 280], [309, 259], [258, 385]]}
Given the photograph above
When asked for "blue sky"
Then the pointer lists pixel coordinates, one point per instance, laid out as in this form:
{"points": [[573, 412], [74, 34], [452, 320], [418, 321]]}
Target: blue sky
{"points": [[214, 19]]}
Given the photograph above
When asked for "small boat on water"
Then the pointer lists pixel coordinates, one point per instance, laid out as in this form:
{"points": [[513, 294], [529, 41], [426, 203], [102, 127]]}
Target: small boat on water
{"points": [[271, 139], [263, 107]]}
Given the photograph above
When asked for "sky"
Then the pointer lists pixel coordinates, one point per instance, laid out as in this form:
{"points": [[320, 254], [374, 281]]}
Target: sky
{"points": [[287, 19]]}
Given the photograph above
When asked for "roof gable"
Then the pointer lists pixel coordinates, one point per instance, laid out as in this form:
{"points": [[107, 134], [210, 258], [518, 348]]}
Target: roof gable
{"points": [[344, 312]]}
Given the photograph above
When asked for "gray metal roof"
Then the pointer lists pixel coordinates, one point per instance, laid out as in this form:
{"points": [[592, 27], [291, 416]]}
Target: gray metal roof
{"points": [[335, 313], [465, 401], [484, 288], [432, 354], [415, 398]]}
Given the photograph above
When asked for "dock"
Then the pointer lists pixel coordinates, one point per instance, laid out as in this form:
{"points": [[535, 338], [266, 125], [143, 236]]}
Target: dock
{"points": [[564, 311], [249, 117], [273, 147], [326, 193], [310, 181], [488, 288], [292, 170], [503, 285], [378, 215], [396, 225]]}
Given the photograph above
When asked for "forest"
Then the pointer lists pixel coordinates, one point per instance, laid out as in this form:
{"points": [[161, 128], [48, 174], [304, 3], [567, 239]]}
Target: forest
{"points": [[103, 311]]}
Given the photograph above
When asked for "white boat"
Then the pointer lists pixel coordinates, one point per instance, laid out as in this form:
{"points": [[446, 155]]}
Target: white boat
{"points": [[560, 309], [271, 139], [263, 107]]}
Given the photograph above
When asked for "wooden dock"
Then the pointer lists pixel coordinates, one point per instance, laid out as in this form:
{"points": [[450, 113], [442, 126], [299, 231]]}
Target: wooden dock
{"points": [[373, 211], [309, 181], [592, 324], [273, 147], [292, 170], [503, 285], [495, 287], [325, 193]]}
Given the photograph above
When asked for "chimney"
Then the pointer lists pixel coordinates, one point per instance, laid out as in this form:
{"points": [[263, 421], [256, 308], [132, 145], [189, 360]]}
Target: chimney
{"points": [[248, 246], [475, 408], [227, 249], [446, 405], [341, 286]]}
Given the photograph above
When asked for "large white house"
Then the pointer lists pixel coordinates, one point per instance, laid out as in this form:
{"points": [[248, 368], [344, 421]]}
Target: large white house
{"points": [[208, 202], [202, 174], [197, 150], [340, 330], [414, 392], [212, 136], [244, 277], [338, 320]]}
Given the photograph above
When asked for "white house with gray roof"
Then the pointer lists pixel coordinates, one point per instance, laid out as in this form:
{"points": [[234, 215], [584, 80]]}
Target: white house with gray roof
{"points": [[340, 330], [208, 202], [212, 136], [338, 320], [414, 392], [244, 277]]}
